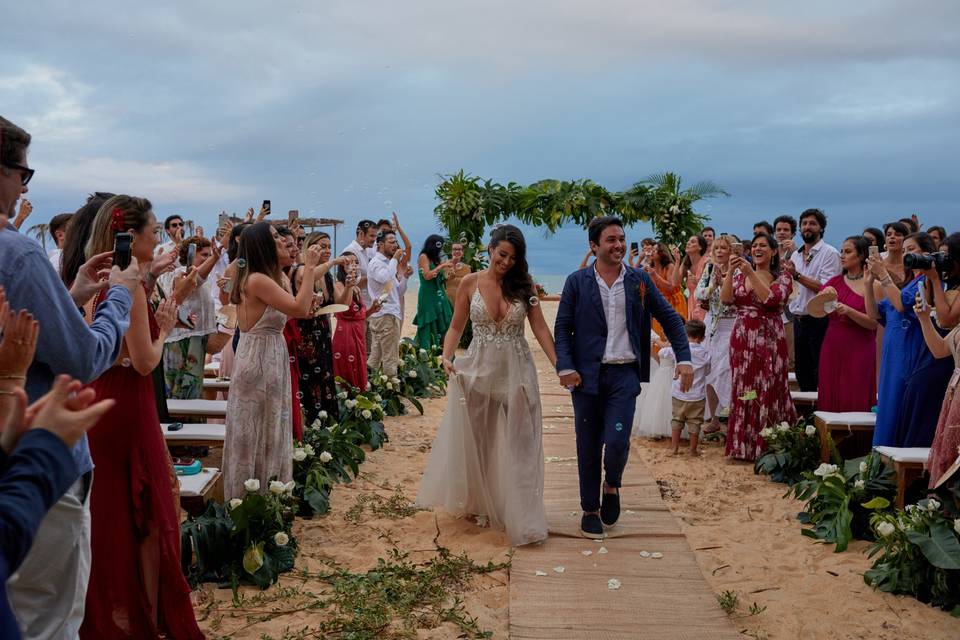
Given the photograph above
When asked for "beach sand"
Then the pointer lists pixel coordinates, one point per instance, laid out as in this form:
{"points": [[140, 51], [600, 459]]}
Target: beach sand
{"points": [[744, 533]]}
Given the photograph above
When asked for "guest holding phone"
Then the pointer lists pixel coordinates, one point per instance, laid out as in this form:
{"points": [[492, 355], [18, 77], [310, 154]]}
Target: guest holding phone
{"points": [[689, 272], [848, 359], [136, 586]]}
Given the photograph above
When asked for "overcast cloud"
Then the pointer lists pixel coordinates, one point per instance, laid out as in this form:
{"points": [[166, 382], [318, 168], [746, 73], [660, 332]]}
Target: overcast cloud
{"points": [[351, 109]]}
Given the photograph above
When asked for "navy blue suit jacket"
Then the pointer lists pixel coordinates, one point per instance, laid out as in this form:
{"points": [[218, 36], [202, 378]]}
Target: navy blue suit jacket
{"points": [[580, 331]]}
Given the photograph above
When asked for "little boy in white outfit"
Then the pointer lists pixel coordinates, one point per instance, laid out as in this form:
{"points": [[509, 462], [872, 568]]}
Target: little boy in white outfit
{"points": [[688, 406]]}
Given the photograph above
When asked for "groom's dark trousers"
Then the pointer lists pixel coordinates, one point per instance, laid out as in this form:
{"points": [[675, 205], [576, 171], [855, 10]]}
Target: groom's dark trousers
{"points": [[603, 423]]}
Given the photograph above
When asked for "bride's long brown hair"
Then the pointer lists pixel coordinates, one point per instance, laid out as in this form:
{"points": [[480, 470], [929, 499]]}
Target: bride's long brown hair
{"points": [[517, 283]]}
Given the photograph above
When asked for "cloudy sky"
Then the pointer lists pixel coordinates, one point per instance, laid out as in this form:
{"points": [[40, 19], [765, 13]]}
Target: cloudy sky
{"points": [[352, 109]]}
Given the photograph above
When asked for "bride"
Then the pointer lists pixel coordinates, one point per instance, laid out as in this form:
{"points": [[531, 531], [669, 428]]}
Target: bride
{"points": [[487, 457]]}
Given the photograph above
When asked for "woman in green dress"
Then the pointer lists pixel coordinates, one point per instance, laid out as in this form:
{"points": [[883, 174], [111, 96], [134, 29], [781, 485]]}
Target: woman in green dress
{"points": [[434, 311]]}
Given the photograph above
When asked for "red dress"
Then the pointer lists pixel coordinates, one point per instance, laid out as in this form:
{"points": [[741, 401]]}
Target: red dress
{"points": [[848, 358], [350, 345], [136, 586], [291, 334], [758, 366]]}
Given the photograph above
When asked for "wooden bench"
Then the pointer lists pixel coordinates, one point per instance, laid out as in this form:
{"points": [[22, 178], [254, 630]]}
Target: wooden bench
{"points": [[213, 386], [196, 435], [198, 408], [840, 426], [211, 370], [792, 381], [805, 401], [907, 462], [200, 488]]}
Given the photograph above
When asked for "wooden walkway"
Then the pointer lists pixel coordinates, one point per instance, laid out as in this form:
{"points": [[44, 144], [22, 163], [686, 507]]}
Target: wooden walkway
{"points": [[562, 588]]}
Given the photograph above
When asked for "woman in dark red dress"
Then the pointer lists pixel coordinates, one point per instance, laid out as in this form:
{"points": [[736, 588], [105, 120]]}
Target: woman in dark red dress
{"points": [[848, 358], [136, 586], [349, 340], [758, 347], [291, 334]]}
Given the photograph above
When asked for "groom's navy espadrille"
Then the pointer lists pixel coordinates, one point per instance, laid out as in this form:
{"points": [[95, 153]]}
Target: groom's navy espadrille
{"points": [[610, 508], [591, 527]]}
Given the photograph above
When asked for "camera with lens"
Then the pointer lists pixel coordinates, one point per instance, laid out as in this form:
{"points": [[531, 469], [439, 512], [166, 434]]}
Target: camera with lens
{"points": [[941, 261]]}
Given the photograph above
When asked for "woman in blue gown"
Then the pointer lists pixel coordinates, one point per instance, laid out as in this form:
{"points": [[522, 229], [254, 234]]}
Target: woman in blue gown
{"points": [[912, 382]]}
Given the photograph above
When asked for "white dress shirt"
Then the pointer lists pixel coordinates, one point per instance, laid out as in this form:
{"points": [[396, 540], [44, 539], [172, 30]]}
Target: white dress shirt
{"points": [[700, 360], [618, 349], [364, 256], [380, 271], [821, 264], [55, 257]]}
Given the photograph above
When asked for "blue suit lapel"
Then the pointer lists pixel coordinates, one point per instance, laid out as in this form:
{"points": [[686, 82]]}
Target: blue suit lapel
{"points": [[593, 294]]}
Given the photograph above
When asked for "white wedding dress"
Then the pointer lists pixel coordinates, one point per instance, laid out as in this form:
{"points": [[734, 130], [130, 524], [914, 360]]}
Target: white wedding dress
{"points": [[487, 457], [655, 404]]}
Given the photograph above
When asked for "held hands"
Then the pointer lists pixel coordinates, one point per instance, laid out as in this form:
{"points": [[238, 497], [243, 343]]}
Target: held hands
{"points": [[67, 411], [166, 316], [571, 380], [685, 373]]}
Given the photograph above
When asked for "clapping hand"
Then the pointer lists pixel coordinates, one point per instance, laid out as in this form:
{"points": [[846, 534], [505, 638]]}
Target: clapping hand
{"points": [[164, 262], [249, 216], [18, 344], [166, 315]]}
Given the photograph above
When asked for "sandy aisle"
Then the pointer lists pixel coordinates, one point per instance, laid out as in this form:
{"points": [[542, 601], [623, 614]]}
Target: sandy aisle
{"points": [[745, 536]]}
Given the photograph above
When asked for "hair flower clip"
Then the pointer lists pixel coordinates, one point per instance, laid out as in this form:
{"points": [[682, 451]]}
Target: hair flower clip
{"points": [[117, 221]]}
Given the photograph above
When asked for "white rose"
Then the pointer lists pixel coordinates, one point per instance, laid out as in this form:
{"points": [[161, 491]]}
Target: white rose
{"points": [[783, 426], [956, 525], [395, 380], [766, 432], [309, 449], [236, 502], [299, 455], [383, 378], [350, 404], [281, 539], [377, 397], [810, 430], [390, 386], [885, 529], [411, 374], [860, 484], [825, 470], [276, 487], [910, 507], [366, 414], [932, 505], [252, 485], [325, 457], [316, 424], [322, 415], [863, 466], [342, 395], [423, 351], [289, 487]]}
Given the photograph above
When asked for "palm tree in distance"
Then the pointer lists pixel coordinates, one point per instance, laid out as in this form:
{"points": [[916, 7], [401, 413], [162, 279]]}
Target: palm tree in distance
{"points": [[39, 232]]}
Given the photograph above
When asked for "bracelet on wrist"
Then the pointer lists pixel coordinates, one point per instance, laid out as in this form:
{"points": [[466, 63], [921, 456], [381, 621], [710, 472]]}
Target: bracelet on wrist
{"points": [[10, 376]]}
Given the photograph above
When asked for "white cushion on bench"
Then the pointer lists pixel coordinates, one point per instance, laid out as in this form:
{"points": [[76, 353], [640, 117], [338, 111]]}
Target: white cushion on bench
{"points": [[213, 408], [804, 396], [195, 485], [905, 454], [858, 418], [791, 376], [190, 432]]}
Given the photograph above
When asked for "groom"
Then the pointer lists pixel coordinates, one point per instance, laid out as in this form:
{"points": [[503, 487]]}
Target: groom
{"points": [[602, 335]]}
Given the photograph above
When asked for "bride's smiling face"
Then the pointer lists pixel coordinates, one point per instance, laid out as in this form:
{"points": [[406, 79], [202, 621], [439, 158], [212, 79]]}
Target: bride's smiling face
{"points": [[503, 256]]}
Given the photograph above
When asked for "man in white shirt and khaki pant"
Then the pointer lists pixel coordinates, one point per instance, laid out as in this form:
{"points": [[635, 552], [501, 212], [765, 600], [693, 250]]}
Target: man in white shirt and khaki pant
{"points": [[387, 281], [810, 267]]}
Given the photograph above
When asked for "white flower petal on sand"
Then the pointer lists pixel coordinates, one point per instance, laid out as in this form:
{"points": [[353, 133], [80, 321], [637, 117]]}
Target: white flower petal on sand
{"points": [[559, 569], [613, 584], [602, 550], [644, 554], [587, 552], [656, 554], [540, 573]]}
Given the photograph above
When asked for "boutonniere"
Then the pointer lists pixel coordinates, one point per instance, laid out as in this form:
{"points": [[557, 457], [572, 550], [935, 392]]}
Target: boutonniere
{"points": [[642, 292]]}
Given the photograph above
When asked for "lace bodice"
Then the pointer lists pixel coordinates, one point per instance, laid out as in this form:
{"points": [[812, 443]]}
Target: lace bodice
{"points": [[486, 331]]}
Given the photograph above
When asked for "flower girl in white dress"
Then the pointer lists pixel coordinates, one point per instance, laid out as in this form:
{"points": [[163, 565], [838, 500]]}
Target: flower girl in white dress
{"points": [[654, 404]]}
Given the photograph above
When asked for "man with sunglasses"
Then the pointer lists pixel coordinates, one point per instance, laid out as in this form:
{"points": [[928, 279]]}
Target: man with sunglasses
{"points": [[174, 227]]}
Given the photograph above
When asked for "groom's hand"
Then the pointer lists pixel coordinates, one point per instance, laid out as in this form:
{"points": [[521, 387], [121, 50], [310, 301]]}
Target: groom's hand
{"points": [[570, 380], [685, 373]]}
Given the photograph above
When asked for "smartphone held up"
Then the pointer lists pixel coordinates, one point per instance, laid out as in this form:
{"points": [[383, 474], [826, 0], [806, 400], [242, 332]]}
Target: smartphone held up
{"points": [[122, 249]]}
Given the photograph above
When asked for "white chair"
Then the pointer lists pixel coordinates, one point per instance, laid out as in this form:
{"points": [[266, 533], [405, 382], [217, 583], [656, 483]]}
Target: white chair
{"points": [[908, 462], [804, 399], [199, 408], [840, 426]]}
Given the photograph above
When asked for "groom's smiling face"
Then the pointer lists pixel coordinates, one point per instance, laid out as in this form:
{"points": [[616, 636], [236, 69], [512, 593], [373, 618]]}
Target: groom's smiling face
{"points": [[612, 245]]}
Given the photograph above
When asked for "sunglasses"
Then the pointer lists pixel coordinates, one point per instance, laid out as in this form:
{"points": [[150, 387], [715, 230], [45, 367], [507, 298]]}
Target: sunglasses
{"points": [[176, 225], [26, 173]]}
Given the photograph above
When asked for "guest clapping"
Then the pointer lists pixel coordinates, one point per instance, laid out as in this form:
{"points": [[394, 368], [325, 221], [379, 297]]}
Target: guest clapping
{"points": [[720, 319], [387, 274], [433, 308], [758, 348]]}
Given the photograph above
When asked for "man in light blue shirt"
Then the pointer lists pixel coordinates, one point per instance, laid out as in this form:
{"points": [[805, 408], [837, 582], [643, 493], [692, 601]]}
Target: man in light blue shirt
{"points": [[48, 592]]}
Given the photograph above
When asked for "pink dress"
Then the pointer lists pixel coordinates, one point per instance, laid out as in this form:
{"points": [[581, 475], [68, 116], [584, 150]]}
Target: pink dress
{"points": [[944, 450], [758, 365], [848, 357]]}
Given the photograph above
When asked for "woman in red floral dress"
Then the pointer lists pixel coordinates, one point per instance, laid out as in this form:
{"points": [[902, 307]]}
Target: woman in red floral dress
{"points": [[349, 341], [758, 348]]}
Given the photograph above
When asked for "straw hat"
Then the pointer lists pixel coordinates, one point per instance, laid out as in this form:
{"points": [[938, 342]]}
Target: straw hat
{"points": [[823, 303]]}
